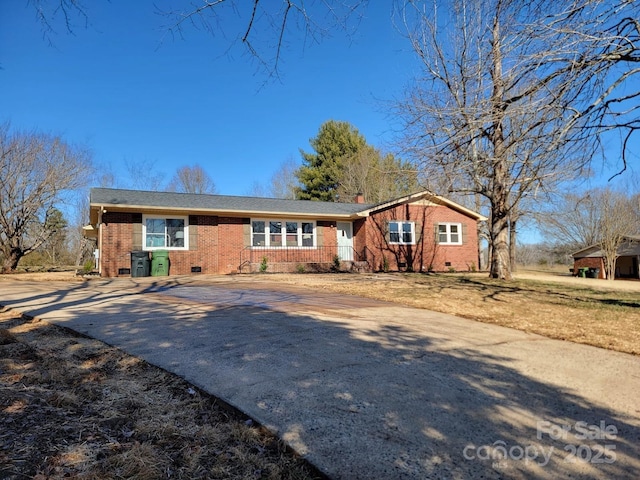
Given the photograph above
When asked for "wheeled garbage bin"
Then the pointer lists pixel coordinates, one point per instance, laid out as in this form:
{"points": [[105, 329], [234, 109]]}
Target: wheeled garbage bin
{"points": [[140, 265], [159, 263]]}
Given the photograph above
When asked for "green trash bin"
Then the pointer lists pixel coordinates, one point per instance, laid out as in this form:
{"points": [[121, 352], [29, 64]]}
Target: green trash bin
{"points": [[140, 265], [159, 263], [582, 272]]}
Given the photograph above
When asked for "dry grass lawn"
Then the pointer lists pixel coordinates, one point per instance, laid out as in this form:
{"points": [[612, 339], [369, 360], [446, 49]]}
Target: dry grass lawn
{"points": [[599, 313], [73, 407]]}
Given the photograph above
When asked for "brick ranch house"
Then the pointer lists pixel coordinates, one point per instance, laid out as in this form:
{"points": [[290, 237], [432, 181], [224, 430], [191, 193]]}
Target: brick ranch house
{"points": [[218, 234], [627, 264]]}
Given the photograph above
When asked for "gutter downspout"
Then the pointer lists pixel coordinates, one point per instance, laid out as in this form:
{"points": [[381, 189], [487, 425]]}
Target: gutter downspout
{"points": [[100, 255]]}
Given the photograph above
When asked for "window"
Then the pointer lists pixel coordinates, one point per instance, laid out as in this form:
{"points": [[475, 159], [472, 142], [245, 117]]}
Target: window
{"points": [[402, 233], [258, 238], [169, 233], [282, 233], [450, 233], [275, 234]]}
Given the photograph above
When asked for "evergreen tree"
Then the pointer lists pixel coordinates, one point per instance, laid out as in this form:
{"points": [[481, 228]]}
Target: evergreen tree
{"points": [[321, 171]]}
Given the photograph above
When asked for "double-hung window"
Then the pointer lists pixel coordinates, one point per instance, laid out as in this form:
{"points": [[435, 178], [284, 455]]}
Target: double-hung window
{"points": [[167, 233], [402, 233], [450, 233], [283, 233]]}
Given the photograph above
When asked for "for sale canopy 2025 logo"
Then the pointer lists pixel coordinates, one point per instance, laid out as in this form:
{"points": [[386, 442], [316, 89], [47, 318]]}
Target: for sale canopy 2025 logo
{"points": [[583, 442]]}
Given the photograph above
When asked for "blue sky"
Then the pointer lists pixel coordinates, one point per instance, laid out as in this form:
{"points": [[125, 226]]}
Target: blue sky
{"points": [[133, 94]]}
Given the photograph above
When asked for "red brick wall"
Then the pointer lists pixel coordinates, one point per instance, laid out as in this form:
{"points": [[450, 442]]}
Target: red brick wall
{"points": [[203, 254], [219, 244], [117, 242], [589, 262], [231, 243], [425, 254]]}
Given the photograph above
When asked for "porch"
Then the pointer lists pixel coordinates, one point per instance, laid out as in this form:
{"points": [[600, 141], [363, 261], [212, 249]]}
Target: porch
{"points": [[303, 260]]}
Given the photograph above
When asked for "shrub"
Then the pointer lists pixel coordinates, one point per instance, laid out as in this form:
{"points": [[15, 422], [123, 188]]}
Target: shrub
{"points": [[87, 267], [263, 265], [336, 263]]}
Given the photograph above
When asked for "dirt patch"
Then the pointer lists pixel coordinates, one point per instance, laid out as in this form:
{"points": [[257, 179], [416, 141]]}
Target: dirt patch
{"points": [[73, 407]]}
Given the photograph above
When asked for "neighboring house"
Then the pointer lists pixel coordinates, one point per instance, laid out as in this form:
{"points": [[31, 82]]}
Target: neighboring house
{"points": [[626, 265], [228, 234]]}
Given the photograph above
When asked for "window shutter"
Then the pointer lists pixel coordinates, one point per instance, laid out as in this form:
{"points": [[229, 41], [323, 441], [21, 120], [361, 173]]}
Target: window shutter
{"points": [[246, 232], [319, 234], [436, 234], [464, 233], [418, 232], [387, 236], [137, 236], [193, 232]]}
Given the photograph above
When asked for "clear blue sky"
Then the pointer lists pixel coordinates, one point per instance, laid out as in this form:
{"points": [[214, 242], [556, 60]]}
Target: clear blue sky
{"points": [[129, 94]]}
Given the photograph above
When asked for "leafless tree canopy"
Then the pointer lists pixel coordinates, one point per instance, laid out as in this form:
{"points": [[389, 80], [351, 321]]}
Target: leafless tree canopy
{"points": [[572, 219], [48, 12], [513, 96], [267, 27], [192, 180], [617, 223], [35, 171], [283, 182]]}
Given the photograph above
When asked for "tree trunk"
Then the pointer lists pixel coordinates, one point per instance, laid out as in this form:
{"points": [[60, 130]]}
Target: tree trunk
{"points": [[478, 206], [500, 264], [499, 230], [610, 263], [512, 243], [10, 261]]}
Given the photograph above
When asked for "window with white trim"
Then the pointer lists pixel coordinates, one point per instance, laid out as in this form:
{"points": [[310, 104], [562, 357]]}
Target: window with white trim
{"points": [[450, 233], [283, 233], [165, 233], [402, 233]]}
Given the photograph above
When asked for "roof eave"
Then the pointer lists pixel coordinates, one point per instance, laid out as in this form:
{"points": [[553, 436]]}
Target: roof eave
{"points": [[429, 196], [223, 211]]}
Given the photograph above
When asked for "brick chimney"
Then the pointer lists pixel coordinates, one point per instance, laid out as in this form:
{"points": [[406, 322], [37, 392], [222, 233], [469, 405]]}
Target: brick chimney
{"points": [[359, 198]]}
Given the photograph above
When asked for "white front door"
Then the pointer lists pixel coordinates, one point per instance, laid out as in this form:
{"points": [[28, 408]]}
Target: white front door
{"points": [[345, 241]]}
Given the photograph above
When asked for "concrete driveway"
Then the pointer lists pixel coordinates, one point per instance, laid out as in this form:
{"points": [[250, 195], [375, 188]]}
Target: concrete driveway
{"points": [[370, 390]]}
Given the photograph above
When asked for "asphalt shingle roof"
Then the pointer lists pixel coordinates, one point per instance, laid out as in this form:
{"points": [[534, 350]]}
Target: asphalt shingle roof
{"points": [[221, 203]]}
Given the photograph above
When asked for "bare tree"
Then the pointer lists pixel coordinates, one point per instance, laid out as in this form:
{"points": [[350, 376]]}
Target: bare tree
{"points": [[142, 175], [602, 216], [48, 12], [376, 176], [572, 219], [283, 182], [616, 224], [192, 180], [35, 172], [513, 97], [267, 26]]}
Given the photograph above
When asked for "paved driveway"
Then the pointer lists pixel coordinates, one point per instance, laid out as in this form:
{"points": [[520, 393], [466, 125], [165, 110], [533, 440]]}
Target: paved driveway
{"points": [[366, 389]]}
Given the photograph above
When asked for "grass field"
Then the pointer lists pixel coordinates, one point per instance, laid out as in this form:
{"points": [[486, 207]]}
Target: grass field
{"points": [[599, 313]]}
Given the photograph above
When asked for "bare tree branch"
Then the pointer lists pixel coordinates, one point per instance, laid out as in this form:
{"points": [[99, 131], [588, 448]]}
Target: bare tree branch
{"points": [[514, 98]]}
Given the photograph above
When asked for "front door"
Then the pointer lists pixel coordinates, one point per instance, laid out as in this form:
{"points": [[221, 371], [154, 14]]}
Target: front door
{"points": [[345, 241]]}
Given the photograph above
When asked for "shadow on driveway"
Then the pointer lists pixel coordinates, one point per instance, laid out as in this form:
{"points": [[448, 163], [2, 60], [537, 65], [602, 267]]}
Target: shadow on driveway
{"points": [[359, 398]]}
